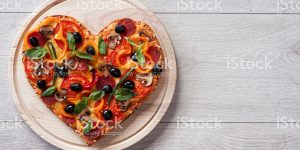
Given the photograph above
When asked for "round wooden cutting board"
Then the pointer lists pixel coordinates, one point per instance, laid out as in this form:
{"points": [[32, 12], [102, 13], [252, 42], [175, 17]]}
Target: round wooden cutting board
{"points": [[95, 15]]}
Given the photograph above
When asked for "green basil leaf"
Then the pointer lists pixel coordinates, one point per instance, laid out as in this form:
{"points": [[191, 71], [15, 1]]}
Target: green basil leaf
{"points": [[123, 94], [140, 56], [36, 52], [119, 83], [80, 106], [71, 41], [83, 55], [131, 42], [139, 53], [96, 95], [50, 91], [88, 127], [102, 46]]}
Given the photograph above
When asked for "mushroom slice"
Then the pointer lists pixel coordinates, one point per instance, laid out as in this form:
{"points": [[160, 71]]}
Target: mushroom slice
{"points": [[146, 34], [104, 68], [38, 72], [61, 96], [145, 78], [123, 105], [39, 69], [113, 40], [72, 63], [47, 31], [45, 71]]}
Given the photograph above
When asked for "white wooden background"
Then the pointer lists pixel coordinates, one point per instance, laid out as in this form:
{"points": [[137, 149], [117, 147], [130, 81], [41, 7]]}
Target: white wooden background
{"points": [[249, 103]]}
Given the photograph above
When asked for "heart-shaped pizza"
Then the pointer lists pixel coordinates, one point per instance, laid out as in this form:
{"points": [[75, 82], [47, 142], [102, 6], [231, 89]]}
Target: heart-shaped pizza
{"points": [[92, 82]]}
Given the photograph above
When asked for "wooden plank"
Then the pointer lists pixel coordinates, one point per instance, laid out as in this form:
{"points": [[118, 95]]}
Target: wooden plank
{"points": [[17, 135], [206, 88], [230, 136], [8, 30], [178, 6], [263, 95], [250, 136]]}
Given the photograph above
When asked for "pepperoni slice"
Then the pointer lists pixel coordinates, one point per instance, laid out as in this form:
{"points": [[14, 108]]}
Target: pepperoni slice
{"points": [[102, 81], [39, 36], [49, 101], [68, 120], [129, 26], [154, 53], [94, 134]]}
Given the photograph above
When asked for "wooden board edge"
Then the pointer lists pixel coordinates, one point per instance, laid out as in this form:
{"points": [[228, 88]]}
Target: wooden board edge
{"points": [[34, 125]]}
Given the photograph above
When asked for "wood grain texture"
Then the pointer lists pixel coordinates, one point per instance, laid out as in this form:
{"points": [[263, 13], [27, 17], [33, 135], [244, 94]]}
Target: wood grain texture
{"points": [[52, 129], [231, 136], [250, 100], [251, 136], [192, 6]]}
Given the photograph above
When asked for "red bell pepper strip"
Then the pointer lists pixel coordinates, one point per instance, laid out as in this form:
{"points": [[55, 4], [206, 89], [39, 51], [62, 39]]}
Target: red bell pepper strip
{"points": [[94, 80]]}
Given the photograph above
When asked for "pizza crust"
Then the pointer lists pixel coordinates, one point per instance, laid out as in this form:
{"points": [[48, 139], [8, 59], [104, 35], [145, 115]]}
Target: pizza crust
{"points": [[143, 31]]}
